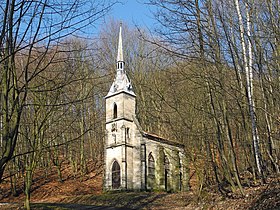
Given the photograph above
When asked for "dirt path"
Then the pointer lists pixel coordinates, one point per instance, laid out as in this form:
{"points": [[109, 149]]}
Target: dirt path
{"points": [[13, 206]]}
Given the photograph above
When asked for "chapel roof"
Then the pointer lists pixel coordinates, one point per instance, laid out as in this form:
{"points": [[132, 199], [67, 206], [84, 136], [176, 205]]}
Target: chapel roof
{"points": [[161, 139]]}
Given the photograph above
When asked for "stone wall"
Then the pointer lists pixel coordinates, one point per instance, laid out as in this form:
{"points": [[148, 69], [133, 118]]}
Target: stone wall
{"points": [[172, 178], [126, 144]]}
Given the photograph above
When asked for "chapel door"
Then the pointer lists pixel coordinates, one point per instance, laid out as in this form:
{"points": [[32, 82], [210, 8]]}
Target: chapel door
{"points": [[116, 175]]}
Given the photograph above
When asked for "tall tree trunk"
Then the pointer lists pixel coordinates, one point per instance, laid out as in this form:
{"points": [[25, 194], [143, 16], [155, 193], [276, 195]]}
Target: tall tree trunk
{"points": [[249, 83], [27, 188]]}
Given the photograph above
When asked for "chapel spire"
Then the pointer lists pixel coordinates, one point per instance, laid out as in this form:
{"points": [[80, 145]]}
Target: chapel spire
{"points": [[120, 61], [120, 49], [121, 82]]}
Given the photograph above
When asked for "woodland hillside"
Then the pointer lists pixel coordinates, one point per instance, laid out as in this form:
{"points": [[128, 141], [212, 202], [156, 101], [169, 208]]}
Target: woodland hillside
{"points": [[85, 192], [208, 77]]}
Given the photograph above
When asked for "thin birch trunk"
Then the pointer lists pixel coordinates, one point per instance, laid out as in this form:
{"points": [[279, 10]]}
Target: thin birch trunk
{"points": [[249, 82]]}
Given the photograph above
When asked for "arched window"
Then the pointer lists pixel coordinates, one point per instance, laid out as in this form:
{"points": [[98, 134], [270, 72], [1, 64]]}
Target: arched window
{"points": [[166, 172], [115, 111], [116, 175], [151, 172], [166, 163], [127, 133], [151, 166]]}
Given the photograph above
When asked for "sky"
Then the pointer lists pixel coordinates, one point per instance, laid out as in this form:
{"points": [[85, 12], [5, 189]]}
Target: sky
{"points": [[133, 12]]}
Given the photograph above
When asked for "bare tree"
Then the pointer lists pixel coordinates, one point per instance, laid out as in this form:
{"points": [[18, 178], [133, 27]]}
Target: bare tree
{"points": [[29, 28], [230, 44]]}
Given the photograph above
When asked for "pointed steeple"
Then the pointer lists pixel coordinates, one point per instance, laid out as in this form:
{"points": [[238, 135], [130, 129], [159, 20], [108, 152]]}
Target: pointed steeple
{"points": [[120, 61], [120, 48], [121, 82]]}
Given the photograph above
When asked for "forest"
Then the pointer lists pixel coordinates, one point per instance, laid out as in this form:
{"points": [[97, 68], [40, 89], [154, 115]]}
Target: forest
{"points": [[207, 76]]}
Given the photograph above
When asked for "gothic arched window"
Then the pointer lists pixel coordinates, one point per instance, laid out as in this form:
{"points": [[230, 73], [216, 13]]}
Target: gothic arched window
{"points": [[166, 163], [127, 133], [115, 111], [116, 175], [166, 172], [151, 166]]}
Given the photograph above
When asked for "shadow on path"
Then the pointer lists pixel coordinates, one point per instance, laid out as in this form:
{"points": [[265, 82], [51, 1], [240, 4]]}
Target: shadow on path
{"points": [[61, 206], [119, 200], [72, 206], [111, 201]]}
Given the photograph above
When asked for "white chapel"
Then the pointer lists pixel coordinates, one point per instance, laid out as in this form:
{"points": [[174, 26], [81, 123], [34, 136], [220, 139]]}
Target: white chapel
{"points": [[135, 159]]}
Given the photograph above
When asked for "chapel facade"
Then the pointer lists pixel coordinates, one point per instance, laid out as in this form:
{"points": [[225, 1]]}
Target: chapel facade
{"points": [[135, 159]]}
